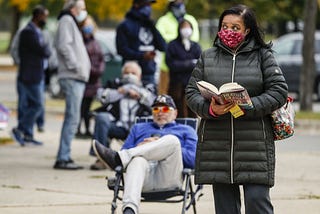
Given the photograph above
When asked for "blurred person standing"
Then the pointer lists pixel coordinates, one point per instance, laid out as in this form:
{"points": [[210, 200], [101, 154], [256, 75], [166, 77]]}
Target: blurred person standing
{"points": [[138, 39], [97, 68], [33, 53], [52, 67], [167, 26], [73, 73], [181, 57]]}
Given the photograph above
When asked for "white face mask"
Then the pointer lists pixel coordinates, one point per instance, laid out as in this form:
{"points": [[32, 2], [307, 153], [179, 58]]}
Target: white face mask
{"points": [[130, 78], [82, 16], [186, 32]]}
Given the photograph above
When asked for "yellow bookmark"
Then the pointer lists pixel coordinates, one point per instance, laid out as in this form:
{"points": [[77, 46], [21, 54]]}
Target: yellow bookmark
{"points": [[236, 111]]}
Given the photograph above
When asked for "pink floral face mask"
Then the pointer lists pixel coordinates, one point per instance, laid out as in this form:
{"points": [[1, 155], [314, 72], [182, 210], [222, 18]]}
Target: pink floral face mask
{"points": [[231, 38]]}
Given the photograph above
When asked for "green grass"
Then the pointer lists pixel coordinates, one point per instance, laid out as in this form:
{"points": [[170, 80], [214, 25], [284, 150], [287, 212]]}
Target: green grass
{"points": [[307, 115], [5, 140], [4, 41], [205, 44]]}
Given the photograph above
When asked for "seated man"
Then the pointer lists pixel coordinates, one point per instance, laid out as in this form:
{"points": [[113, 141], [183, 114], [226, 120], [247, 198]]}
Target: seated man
{"points": [[154, 154], [123, 100]]}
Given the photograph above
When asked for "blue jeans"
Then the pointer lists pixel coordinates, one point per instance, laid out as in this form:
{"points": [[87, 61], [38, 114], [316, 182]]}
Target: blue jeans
{"points": [[104, 129], [30, 104], [23, 103], [73, 91]]}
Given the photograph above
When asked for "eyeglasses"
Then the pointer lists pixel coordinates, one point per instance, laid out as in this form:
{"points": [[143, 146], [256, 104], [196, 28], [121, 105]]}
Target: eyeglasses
{"points": [[164, 109]]}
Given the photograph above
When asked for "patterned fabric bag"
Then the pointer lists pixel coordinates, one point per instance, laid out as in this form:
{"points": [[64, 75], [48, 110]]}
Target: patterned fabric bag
{"points": [[283, 121]]}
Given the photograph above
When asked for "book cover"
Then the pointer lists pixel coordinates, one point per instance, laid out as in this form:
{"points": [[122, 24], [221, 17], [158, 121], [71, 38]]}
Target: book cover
{"points": [[228, 92]]}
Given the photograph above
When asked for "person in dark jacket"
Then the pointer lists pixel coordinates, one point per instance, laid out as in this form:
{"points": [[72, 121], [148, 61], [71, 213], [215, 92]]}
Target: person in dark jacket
{"points": [[97, 68], [181, 57], [138, 39], [33, 54], [234, 152]]}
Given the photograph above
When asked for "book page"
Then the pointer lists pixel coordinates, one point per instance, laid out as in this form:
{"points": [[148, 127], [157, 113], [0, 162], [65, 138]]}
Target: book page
{"points": [[230, 87], [209, 86]]}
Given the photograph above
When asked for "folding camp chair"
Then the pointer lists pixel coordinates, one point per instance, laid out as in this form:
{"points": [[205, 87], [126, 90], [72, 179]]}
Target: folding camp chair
{"points": [[188, 193]]}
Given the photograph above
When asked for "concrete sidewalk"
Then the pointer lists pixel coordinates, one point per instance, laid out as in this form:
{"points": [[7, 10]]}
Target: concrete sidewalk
{"points": [[28, 184]]}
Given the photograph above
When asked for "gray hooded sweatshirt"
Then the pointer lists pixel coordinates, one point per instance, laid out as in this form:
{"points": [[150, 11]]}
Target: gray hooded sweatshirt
{"points": [[74, 62]]}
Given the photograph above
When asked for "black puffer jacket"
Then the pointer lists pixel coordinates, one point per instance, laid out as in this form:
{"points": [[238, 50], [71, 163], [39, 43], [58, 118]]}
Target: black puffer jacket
{"points": [[237, 150]]}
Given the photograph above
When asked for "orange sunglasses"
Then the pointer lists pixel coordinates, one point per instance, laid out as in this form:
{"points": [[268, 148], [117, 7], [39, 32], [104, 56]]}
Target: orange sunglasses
{"points": [[164, 109]]}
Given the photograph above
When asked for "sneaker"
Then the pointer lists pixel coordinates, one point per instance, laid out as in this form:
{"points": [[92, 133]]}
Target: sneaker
{"points": [[80, 135], [106, 155], [17, 136], [67, 165], [98, 165], [88, 134], [33, 141], [41, 129]]}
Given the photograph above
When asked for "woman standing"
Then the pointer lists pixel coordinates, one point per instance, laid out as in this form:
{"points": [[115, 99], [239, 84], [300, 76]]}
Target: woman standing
{"points": [[234, 152], [181, 57], [96, 71]]}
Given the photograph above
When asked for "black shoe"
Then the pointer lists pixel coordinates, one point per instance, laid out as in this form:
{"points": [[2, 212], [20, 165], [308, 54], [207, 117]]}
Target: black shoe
{"points": [[70, 161], [106, 155], [17, 136], [68, 165], [31, 140], [41, 129], [79, 135], [88, 135], [128, 210]]}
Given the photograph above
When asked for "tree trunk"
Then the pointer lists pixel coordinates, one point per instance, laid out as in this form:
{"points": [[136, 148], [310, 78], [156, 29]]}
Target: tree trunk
{"points": [[307, 72], [16, 15]]}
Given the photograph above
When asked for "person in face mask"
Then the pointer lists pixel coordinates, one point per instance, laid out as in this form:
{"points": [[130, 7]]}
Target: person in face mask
{"points": [[167, 26], [73, 73], [181, 57], [97, 68], [243, 147], [33, 52], [138, 39], [122, 101]]}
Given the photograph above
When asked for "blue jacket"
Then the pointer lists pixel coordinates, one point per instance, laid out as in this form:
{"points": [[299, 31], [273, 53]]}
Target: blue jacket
{"points": [[186, 134], [32, 53], [136, 35]]}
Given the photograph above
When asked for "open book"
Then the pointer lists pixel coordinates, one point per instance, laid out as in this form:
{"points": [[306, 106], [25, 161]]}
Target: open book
{"points": [[228, 92]]}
